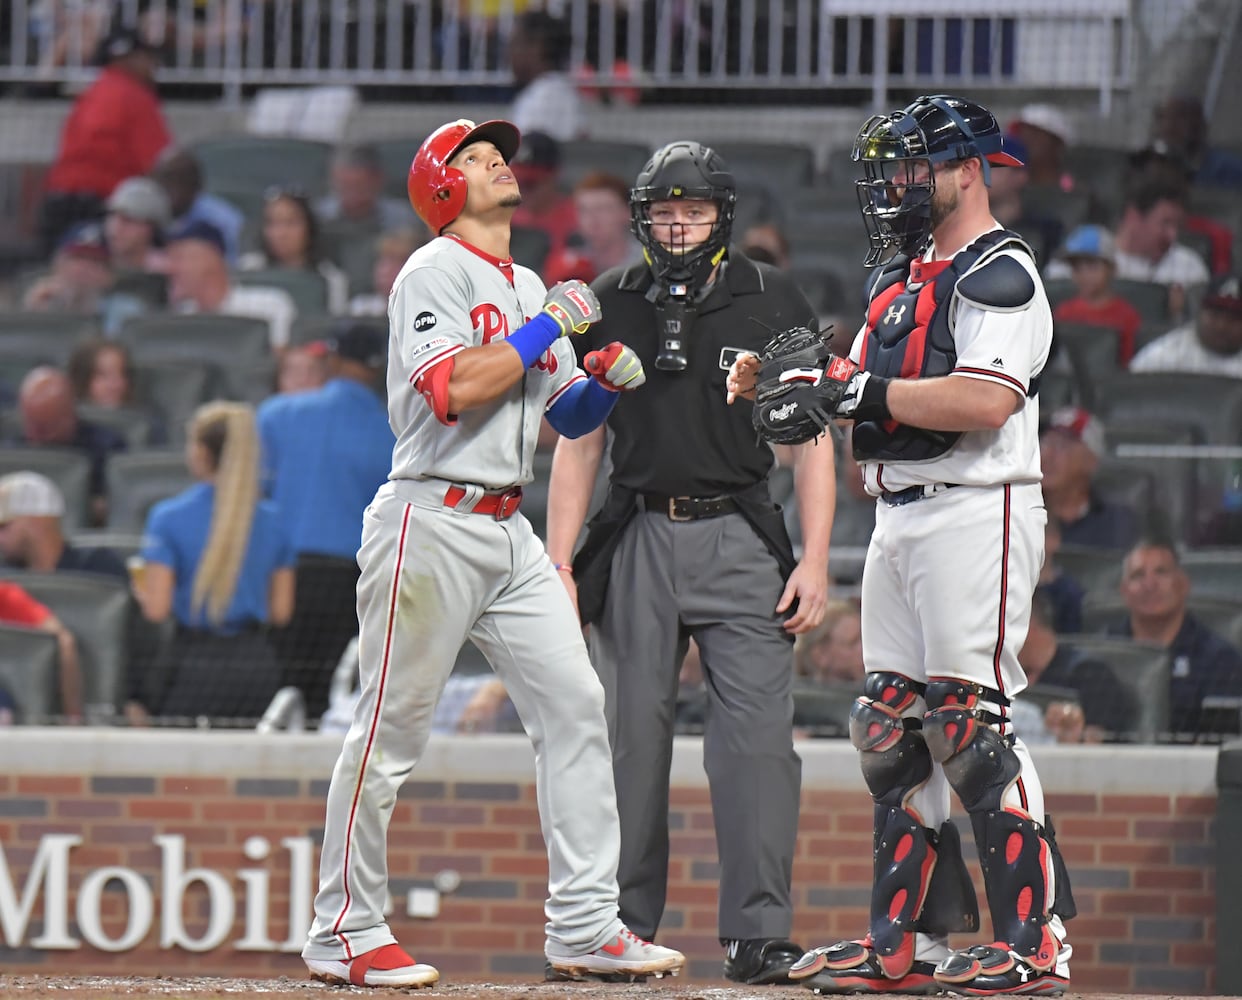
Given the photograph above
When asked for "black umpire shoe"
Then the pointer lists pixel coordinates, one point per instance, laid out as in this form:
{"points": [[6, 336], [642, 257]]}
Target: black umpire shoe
{"points": [[760, 961]]}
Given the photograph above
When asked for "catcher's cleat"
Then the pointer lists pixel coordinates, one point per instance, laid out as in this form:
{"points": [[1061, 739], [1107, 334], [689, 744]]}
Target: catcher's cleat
{"points": [[853, 967], [388, 965], [626, 955], [760, 961], [990, 970]]}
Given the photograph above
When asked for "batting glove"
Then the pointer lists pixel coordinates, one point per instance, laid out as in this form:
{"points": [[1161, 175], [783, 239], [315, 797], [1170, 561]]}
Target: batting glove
{"points": [[616, 367], [573, 306]]}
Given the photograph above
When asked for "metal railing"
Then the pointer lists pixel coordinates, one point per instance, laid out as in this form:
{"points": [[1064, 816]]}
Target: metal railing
{"points": [[807, 45]]}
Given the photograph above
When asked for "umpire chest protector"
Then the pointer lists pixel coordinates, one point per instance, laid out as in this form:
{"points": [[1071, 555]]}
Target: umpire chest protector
{"points": [[910, 331]]}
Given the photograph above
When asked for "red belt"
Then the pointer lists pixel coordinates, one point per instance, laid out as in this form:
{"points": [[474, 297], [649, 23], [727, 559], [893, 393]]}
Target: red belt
{"points": [[501, 506]]}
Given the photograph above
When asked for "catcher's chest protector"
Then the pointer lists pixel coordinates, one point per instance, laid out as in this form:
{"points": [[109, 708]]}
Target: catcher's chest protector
{"points": [[909, 335]]}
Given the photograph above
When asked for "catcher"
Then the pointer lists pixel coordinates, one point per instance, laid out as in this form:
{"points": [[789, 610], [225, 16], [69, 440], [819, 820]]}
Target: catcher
{"points": [[941, 387]]}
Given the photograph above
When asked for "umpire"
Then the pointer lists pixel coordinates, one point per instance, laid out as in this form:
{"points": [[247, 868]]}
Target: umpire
{"points": [[688, 544]]}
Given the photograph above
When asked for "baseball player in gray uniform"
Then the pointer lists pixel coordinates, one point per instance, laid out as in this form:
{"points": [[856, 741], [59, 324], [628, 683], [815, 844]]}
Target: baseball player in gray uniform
{"points": [[477, 358]]}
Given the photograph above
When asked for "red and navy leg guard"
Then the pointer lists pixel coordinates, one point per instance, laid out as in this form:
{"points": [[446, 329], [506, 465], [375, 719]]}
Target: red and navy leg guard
{"points": [[1018, 861]]}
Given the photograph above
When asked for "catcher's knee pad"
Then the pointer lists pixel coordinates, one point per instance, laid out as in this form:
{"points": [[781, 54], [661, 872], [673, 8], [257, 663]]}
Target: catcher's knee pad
{"points": [[1018, 861], [894, 757]]}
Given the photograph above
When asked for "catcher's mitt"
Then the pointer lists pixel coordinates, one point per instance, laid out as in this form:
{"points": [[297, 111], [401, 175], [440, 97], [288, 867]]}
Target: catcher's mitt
{"points": [[798, 386]]}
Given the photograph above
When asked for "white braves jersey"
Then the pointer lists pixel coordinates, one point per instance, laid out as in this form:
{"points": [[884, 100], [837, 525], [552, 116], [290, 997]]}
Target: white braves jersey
{"points": [[1009, 348], [450, 296]]}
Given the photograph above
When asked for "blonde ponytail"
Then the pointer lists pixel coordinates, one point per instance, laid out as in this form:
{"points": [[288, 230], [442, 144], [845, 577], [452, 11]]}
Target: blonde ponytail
{"points": [[227, 431]]}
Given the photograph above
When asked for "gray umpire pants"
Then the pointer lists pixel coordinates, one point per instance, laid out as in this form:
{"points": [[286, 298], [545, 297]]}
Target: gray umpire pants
{"points": [[713, 580]]}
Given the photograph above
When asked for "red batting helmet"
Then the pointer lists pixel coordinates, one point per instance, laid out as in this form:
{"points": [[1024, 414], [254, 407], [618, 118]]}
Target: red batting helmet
{"points": [[438, 191]]}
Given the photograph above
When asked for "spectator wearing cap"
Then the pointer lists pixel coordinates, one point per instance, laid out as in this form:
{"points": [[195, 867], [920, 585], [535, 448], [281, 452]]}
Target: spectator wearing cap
{"points": [[1042, 231], [179, 173], [1211, 345], [199, 282], [115, 130], [1155, 588], [138, 213], [325, 453], [1046, 132], [49, 419], [1090, 253], [1070, 449], [546, 100], [536, 167], [31, 534], [19, 607], [80, 277]]}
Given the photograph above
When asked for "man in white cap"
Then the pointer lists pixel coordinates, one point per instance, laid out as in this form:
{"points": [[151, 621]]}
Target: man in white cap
{"points": [[138, 213], [1047, 133], [31, 535]]}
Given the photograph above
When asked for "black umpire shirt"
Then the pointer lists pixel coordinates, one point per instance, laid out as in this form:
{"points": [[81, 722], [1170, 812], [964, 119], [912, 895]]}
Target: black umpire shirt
{"points": [[675, 435]]}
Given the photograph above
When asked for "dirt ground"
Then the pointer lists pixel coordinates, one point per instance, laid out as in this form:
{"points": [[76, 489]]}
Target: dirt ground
{"points": [[99, 988]]}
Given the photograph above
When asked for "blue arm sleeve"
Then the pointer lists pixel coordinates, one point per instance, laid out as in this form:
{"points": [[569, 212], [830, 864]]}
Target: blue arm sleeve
{"points": [[581, 408], [534, 338]]}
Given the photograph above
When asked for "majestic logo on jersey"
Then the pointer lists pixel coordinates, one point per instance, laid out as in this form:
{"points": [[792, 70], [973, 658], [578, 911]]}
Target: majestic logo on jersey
{"points": [[424, 321], [894, 314], [490, 322]]}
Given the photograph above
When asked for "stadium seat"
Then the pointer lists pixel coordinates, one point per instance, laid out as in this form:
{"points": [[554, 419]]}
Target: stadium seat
{"points": [[174, 389], [138, 479], [1098, 570], [307, 288], [1209, 404], [396, 155], [583, 156], [133, 425], [68, 468], [1059, 290], [97, 610], [783, 167], [227, 343], [255, 163], [122, 544], [1150, 298], [1214, 572], [1092, 350], [824, 710], [1143, 670], [30, 673], [1050, 201], [49, 337], [353, 250]]}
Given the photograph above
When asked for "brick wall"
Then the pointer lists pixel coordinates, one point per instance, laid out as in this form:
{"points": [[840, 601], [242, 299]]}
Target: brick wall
{"points": [[1141, 864]]}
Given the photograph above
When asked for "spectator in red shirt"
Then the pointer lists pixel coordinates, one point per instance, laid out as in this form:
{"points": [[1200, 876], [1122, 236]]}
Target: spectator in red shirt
{"points": [[603, 239], [17, 607], [1091, 253], [115, 130], [536, 168]]}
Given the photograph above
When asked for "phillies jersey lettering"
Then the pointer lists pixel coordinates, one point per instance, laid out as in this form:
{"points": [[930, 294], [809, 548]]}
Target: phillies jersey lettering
{"points": [[473, 303]]}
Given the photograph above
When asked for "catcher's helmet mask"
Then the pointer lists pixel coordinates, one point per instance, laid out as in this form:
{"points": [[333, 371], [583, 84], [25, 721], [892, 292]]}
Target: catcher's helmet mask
{"points": [[900, 153], [437, 191], [690, 171]]}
